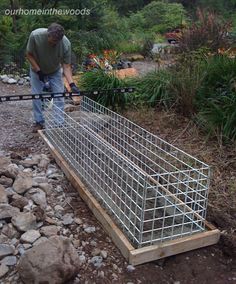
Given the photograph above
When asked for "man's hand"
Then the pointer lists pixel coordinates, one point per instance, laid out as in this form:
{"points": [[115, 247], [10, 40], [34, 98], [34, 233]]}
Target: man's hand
{"points": [[41, 76], [74, 88]]}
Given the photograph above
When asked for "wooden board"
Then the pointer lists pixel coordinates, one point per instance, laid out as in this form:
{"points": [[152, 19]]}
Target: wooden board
{"points": [[150, 253], [134, 256]]}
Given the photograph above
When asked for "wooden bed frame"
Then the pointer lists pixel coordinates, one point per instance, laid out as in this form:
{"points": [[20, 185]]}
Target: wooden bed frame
{"points": [[133, 256]]}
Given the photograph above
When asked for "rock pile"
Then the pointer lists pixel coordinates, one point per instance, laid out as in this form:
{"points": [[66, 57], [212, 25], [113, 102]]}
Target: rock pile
{"points": [[47, 233], [29, 240], [19, 80]]}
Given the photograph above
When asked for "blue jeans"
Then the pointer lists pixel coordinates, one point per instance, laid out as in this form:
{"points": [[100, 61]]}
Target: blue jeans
{"points": [[57, 86]]}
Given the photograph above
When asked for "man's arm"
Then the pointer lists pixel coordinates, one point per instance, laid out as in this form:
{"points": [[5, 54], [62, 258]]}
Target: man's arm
{"points": [[67, 72], [32, 61]]}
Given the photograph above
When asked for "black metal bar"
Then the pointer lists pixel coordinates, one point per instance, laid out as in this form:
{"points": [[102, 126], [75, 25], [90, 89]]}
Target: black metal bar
{"points": [[26, 97]]}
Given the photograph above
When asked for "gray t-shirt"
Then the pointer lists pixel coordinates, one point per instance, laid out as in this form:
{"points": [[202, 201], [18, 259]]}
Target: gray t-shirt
{"points": [[48, 57]]}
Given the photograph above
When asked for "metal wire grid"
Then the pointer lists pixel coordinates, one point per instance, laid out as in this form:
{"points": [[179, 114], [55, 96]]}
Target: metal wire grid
{"points": [[154, 191]]}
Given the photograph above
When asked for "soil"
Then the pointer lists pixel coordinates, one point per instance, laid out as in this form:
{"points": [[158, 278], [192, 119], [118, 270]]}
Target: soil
{"points": [[215, 264]]}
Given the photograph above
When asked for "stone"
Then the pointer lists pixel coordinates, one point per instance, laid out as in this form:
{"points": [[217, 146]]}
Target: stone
{"points": [[30, 236], [67, 219], [51, 170], [78, 221], [3, 76], [7, 211], [130, 268], [40, 240], [46, 187], [11, 81], [59, 208], [96, 261], [39, 213], [21, 82], [9, 231], [23, 183], [76, 243], [49, 231], [40, 179], [3, 195], [19, 201], [103, 254], [27, 246], [24, 221], [3, 239], [38, 196], [5, 80], [6, 250], [5, 181], [4, 163], [56, 176], [96, 251], [29, 163], [3, 270], [12, 171], [51, 221], [9, 260], [54, 261], [43, 164], [89, 230], [82, 258]]}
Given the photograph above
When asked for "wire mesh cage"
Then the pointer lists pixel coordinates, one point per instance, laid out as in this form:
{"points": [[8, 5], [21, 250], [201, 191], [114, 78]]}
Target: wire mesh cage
{"points": [[153, 191]]}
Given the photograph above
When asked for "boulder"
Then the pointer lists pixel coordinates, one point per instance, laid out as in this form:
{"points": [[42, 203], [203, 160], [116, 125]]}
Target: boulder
{"points": [[54, 261], [30, 236], [5, 181], [38, 196], [23, 182], [6, 250], [4, 163], [24, 222], [7, 211]]}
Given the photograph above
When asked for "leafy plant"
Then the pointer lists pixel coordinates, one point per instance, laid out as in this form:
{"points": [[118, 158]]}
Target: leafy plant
{"points": [[100, 80], [208, 31], [216, 99], [153, 88]]}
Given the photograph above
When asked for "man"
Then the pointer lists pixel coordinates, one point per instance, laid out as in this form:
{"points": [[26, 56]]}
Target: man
{"points": [[47, 51]]}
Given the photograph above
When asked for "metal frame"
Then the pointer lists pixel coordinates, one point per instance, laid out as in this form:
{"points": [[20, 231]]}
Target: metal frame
{"points": [[153, 191]]}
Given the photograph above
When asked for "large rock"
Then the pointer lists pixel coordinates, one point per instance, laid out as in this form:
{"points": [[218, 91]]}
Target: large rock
{"points": [[30, 236], [7, 182], [23, 182], [24, 222], [7, 211], [12, 171], [6, 250], [4, 163], [19, 201], [38, 196], [54, 261], [3, 195]]}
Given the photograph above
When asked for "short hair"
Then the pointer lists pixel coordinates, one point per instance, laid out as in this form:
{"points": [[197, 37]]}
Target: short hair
{"points": [[56, 31]]}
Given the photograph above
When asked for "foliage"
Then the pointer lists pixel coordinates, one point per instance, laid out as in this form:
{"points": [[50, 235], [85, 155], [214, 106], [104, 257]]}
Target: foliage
{"points": [[158, 16], [153, 88], [216, 99], [208, 31], [100, 80]]}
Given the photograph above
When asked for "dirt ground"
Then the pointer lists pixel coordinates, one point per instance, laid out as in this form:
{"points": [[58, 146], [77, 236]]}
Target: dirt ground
{"points": [[215, 264]]}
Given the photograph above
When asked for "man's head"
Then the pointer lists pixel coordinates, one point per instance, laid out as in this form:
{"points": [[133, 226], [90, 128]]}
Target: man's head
{"points": [[55, 33]]}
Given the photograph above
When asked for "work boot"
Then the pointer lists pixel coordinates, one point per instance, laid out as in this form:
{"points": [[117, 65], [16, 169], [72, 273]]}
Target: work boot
{"points": [[37, 126]]}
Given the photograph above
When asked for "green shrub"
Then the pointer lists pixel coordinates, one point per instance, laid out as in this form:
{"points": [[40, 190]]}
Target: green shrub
{"points": [[216, 100], [153, 88], [100, 80], [158, 16]]}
